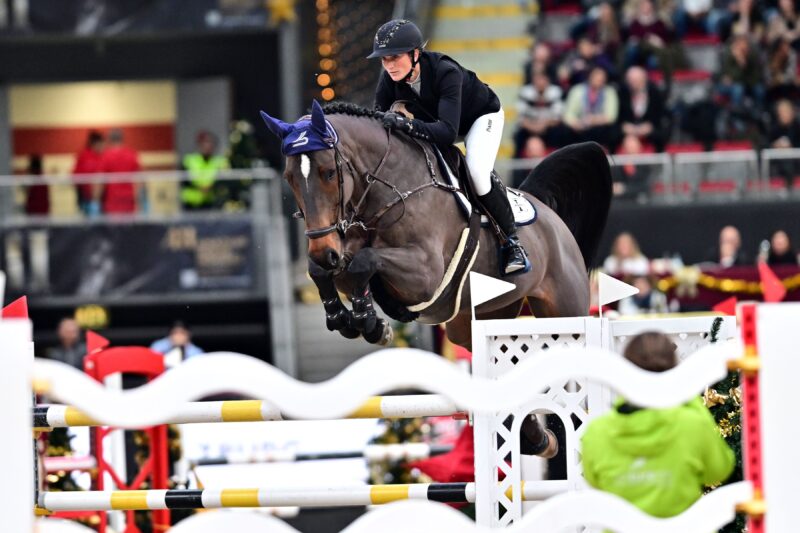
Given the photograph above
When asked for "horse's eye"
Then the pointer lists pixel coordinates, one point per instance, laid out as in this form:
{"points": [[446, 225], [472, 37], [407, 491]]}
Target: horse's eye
{"points": [[330, 174]]}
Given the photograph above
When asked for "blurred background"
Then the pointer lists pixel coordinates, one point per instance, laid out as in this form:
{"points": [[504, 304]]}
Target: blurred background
{"points": [[140, 193]]}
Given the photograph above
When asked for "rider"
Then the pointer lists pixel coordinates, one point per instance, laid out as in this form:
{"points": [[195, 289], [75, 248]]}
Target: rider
{"points": [[459, 105]]}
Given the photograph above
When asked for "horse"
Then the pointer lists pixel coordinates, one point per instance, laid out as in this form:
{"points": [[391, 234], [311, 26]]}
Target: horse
{"points": [[384, 227]]}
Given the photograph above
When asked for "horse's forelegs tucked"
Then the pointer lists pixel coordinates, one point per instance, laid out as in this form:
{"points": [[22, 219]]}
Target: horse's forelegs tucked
{"points": [[337, 316], [375, 330]]}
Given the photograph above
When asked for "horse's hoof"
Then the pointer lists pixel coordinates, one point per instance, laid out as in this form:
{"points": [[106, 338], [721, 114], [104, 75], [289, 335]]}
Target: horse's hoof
{"points": [[388, 335], [382, 334], [552, 445]]}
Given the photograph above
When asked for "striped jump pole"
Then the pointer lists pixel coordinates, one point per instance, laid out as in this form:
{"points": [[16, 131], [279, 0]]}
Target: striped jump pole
{"points": [[409, 406], [372, 453], [361, 495]]}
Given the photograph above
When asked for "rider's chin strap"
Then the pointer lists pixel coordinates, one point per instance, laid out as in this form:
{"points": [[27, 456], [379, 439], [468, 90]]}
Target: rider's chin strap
{"points": [[414, 61]]}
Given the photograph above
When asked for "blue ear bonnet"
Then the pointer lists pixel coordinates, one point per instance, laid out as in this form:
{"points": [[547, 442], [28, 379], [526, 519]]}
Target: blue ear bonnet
{"points": [[304, 137], [311, 133]]}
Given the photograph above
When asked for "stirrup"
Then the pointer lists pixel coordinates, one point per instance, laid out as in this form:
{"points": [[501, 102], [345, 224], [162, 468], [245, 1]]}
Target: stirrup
{"points": [[508, 252]]}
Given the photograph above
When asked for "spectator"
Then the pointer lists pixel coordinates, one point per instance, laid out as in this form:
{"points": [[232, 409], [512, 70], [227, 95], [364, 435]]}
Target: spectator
{"points": [[781, 251], [37, 200], [785, 133], [179, 337], [119, 197], [648, 300], [540, 106], [641, 110], [729, 251], [648, 41], [592, 109], [781, 71], [71, 349], [747, 19], [605, 31], [201, 191], [541, 60], [631, 181], [90, 161], [692, 16], [626, 259], [660, 460], [577, 65], [785, 24], [740, 76]]}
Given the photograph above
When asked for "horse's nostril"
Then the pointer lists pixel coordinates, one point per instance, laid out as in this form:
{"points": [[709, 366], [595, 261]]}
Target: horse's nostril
{"points": [[333, 258]]}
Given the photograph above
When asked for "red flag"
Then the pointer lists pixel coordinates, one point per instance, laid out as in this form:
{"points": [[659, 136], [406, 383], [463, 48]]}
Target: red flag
{"points": [[726, 307], [458, 465], [17, 309], [95, 342], [773, 288]]}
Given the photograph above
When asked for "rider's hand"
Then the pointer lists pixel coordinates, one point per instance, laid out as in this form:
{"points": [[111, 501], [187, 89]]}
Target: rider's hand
{"points": [[396, 121]]}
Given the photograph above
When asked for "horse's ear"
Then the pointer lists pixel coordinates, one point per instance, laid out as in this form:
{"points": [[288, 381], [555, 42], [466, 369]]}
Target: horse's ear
{"points": [[318, 118], [277, 126]]}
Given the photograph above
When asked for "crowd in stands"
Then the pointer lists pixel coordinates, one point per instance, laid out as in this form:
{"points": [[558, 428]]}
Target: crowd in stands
{"points": [[614, 81], [627, 262]]}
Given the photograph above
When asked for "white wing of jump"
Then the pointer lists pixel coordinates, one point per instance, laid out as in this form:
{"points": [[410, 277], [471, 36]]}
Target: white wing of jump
{"points": [[386, 370]]}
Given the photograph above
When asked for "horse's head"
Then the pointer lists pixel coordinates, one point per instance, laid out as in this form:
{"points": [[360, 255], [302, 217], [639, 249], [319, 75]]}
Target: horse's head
{"points": [[313, 170]]}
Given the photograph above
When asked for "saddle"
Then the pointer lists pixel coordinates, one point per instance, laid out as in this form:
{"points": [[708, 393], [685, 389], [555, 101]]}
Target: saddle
{"points": [[453, 158]]}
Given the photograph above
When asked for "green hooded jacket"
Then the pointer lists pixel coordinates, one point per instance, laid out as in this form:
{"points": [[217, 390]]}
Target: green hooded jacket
{"points": [[657, 459]]}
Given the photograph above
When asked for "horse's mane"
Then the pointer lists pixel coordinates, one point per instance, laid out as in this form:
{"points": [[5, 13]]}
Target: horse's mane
{"points": [[350, 109]]}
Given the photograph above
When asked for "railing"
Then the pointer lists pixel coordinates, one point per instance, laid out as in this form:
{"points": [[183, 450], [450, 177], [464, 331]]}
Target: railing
{"points": [[163, 250], [723, 175]]}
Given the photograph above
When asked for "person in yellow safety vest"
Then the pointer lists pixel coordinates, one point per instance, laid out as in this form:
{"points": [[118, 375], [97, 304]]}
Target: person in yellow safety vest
{"points": [[199, 191]]}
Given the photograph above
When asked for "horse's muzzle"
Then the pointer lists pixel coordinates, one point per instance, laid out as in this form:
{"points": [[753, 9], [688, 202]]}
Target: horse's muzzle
{"points": [[327, 258]]}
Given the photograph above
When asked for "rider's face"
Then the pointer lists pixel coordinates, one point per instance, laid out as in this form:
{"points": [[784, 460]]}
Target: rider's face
{"points": [[397, 66]]}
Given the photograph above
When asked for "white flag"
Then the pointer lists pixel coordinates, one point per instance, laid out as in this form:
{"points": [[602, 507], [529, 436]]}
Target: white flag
{"points": [[612, 289], [484, 288]]}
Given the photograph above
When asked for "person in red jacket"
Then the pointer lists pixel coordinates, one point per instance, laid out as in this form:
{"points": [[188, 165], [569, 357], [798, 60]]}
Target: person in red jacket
{"points": [[119, 197], [89, 161]]}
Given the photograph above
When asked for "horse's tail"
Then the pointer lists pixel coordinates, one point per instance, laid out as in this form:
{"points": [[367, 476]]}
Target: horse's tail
{"points": [[575, 182]]}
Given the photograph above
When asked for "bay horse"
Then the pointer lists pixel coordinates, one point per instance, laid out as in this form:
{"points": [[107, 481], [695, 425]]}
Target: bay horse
{"points": [[382, 223]]}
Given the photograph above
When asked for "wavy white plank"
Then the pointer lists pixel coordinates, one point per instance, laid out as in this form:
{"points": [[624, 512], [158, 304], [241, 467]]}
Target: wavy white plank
{"points": [[382, 371]]}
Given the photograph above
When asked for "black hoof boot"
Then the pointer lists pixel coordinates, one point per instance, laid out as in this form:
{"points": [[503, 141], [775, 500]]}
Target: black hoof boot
{"points": [[364, 316], [339, 318]]}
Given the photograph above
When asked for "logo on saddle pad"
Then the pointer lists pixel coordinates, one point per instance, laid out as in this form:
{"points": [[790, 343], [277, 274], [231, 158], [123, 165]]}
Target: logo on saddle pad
{"points": [[311, 133]]}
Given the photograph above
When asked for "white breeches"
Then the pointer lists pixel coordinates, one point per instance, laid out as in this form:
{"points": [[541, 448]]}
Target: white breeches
{"points": [[482, 142]]}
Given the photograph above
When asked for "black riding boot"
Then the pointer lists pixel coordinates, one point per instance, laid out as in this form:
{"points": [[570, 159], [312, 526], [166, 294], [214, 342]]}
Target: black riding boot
{"points": [[514, 260]]}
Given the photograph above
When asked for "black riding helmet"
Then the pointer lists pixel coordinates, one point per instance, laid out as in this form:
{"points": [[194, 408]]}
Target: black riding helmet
{"points": [[398, 37]]}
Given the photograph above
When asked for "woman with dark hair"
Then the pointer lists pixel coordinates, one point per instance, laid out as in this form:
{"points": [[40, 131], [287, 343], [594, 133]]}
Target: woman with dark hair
{"points": [[781, 251]]}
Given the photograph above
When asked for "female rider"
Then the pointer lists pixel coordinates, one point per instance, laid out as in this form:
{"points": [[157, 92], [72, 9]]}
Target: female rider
{"points": [[459, 105]]}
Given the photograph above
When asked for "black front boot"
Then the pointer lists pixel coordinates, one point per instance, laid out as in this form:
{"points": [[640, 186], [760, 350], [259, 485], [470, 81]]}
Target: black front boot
{"points": [[514, 260]]}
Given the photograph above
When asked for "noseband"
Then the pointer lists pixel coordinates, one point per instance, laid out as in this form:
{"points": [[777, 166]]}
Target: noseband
{"points": [[344, 222]]}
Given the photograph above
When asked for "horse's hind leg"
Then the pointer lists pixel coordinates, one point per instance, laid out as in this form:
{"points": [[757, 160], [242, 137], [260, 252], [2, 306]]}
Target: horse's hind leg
{"points": [[337, 316]]}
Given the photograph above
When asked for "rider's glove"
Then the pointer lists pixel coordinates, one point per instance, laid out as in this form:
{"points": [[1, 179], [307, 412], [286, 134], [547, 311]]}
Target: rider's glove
{"points": [[396, 121]]}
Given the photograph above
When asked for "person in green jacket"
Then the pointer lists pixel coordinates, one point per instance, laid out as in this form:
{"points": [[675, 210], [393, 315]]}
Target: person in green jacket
{"points": [[201, 191], [660, 460]]}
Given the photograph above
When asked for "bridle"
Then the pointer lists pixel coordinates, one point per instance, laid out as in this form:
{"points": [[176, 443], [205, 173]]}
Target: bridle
{"points": [[346, 222]]}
